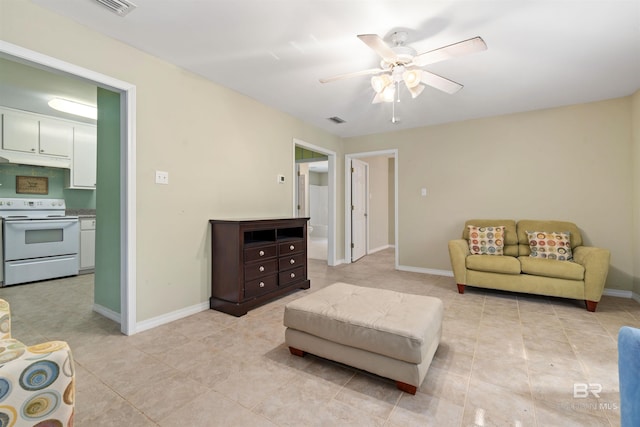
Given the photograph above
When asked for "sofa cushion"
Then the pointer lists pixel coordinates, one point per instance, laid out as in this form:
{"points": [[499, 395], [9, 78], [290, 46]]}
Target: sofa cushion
{"points": [[510, 234], [552, 268], [550, 245], [494, 264], [525, 225], [486, 240]]}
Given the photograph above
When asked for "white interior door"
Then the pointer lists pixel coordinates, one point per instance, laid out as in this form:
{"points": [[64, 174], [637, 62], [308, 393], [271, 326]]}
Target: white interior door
{"points": [[358, 209]]}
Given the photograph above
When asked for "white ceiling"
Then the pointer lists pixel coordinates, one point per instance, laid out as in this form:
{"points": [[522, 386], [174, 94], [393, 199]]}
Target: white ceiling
{"points": [[540, 54]]}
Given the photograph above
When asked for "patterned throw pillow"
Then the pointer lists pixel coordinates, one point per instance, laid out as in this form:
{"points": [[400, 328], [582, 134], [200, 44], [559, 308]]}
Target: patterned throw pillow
{"points": [[550, 245], [486, 240]]}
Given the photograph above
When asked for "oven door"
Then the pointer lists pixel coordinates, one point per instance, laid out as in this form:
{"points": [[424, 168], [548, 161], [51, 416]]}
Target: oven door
{"points": [[36, 238]]}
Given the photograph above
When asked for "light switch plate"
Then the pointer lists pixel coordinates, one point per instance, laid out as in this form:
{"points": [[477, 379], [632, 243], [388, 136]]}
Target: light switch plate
{"points": [[162, 177]]}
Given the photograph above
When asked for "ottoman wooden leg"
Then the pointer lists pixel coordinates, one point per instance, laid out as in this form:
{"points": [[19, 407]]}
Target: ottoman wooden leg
{"points": [[407, 388], [460, 288], [296, 352]]}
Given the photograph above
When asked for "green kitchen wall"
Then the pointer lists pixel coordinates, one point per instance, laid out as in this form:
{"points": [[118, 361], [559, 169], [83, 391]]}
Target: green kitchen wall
{"points": [[107, 270], [75, 199]]}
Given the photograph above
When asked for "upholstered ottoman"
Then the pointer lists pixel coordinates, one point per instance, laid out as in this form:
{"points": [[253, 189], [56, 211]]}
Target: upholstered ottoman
{"points": [[388, 333]]}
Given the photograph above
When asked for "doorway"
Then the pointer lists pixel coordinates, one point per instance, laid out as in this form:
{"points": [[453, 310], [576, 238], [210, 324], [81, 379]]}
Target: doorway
{"points": [[315, 197], [371, 203], [127, 315]]}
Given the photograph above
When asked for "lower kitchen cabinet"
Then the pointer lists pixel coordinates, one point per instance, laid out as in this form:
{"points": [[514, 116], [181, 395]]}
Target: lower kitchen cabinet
{"points": [[87, 244]]}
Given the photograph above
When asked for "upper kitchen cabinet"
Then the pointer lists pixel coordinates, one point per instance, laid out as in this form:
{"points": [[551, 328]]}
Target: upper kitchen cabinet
{"points": [[56, 138], [82, 174], [34, 139], [20, 132]]}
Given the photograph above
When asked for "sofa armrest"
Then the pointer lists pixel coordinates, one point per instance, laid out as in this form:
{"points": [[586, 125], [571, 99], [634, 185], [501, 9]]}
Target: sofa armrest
{"points": [[596, 267], [458, 252], [5, 320]]}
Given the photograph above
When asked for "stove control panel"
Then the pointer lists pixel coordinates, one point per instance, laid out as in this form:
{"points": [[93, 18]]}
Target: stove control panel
{"points": [[31, 204]]}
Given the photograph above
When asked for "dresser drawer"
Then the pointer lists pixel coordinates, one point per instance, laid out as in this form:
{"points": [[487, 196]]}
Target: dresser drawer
{"points": [[292, 261], [291, 276], [261, 286], [292, 246], [260, 268], [260, 252]]}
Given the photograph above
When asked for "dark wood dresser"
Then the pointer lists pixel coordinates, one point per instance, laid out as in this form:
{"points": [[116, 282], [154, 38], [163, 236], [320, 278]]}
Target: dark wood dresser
{"points": [[254, 261]]}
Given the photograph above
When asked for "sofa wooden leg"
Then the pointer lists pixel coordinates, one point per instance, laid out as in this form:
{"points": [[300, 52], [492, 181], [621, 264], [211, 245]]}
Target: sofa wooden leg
{"points": [[591, 305], [460, 288], [296, 352], [407, 388]]}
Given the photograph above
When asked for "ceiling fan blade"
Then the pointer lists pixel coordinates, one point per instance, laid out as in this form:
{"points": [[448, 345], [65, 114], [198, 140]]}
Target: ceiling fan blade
{"points": [[440, 83], [379, 46], [354, 74], [475, 44]]}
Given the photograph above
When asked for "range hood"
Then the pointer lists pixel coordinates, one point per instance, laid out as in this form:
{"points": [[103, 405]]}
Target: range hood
{"points": [[7, 157]]}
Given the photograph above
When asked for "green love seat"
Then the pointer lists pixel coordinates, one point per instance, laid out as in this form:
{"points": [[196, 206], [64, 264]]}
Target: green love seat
{"points": [[581, 277]]}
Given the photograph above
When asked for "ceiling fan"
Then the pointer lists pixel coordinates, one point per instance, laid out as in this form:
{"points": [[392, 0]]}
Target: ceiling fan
{"points": [[402, 63]]}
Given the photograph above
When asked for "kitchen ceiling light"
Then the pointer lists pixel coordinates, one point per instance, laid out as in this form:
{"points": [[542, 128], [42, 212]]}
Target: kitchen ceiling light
{"points": [[74, 108]]}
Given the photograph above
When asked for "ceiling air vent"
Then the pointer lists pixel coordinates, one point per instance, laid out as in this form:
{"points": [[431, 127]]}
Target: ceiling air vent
{"points": [[336, 119], [119, 7]]}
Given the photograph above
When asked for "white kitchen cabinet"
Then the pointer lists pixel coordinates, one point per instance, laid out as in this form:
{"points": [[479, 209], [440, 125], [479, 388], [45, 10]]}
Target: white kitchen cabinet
{"points": [[20, 132], [56, 138], [82, 174], [34, 139], [87, 244]]}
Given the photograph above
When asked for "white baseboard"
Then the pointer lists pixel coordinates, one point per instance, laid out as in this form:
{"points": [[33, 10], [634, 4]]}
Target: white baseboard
{"points": [[435, 272], [617, 293], [636, 297], [107, 312], [381, 248], [172, 316]]}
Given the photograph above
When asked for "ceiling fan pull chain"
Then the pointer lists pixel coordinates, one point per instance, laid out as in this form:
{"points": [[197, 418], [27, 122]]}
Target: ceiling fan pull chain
{"points": [[394, 120]]}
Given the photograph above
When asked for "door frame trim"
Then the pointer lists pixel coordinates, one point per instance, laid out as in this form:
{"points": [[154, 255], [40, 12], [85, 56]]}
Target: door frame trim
{"points": [[127, 91], [347, 199], [331, 233]]}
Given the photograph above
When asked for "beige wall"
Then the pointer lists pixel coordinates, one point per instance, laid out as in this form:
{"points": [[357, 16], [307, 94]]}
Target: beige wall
{"points": [[571, 163], [635, 129], [222, 151]]}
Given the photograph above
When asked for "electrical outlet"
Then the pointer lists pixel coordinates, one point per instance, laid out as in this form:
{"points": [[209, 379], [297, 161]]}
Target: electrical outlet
{"points": [[162, 177]]}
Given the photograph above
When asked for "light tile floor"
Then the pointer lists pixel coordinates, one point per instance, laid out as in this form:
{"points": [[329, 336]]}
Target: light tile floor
{"points": [[504, 359]]}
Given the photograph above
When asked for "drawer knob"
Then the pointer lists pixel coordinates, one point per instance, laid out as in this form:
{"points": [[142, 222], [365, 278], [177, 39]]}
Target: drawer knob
{"points": [[261, 284], [261, 253], [261, 268], [292, 261], [293, 275], [292, 247]]}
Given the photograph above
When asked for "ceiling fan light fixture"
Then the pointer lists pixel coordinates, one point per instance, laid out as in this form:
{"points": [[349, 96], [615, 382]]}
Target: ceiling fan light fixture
{"points": [[411, 78], [415, 91], [389, 93], [380, 82]]}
